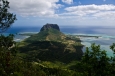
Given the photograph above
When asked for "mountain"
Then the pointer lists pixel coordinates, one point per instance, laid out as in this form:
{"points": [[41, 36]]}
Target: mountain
{"points": [[49, 26], [50, 44], [49, 32]]}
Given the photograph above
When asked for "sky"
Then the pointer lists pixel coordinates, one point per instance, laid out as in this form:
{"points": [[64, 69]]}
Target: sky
{"points": [[63, 12]]}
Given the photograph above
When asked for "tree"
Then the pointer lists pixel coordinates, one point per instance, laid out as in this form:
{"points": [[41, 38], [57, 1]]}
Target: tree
{"points": [[6, 18], [95, 62], [6, 42]]}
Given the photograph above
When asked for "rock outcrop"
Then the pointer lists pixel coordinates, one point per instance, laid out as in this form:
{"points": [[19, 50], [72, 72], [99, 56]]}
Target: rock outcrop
{"points": [[49, 26]]}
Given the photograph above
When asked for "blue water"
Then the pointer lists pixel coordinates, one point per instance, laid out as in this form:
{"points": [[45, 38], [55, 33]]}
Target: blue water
{"points": [[15, 30], [107, 33]]}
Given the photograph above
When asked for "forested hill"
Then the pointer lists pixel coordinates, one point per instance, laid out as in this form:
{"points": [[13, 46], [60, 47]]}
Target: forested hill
{"points": [[52, 45]]}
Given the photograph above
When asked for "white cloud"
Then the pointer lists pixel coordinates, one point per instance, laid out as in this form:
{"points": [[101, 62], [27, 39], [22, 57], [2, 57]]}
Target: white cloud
{"points": [[106, 15], [68, 1], [91, 7], [104, 0], [84, 10], [82, 14], [35, 7], [90, 14]]}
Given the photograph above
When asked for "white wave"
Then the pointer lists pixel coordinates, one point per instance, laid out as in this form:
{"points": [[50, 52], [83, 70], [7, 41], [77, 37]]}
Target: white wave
{"points": [[27, 32]]}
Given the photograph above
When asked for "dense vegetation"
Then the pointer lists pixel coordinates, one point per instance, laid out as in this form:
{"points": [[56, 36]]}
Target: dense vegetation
{"points": [[50, 51], [12, 62], [93, 63]]}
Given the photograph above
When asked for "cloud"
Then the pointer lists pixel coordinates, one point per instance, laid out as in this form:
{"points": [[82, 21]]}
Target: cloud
{"points": [[84, 10], [90, 14], [91, 7], [104, 0], [107, 15], [67, 1], [35, 7], [47, 10]]}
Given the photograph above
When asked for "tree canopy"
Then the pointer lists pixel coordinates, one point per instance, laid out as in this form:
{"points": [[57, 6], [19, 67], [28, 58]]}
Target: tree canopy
{"points": [[6, 18]]}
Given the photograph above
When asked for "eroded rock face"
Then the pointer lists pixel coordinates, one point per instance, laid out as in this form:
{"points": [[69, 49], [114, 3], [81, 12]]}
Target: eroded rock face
{"points": [[48, 26]]}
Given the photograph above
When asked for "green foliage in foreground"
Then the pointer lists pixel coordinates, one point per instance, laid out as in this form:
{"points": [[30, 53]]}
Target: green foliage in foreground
{"points": [[93, 63], [96, 62]]}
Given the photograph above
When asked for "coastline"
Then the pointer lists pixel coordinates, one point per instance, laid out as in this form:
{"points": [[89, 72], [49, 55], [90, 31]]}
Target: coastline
{"points": [[105, 41]]}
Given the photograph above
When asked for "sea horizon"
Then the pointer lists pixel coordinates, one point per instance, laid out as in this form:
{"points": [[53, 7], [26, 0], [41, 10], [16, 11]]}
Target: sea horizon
{"points": [[106, 30]]}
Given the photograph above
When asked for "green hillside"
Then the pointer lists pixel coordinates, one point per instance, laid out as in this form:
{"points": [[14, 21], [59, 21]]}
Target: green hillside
{"points": [[51, 45], [49, 35]]}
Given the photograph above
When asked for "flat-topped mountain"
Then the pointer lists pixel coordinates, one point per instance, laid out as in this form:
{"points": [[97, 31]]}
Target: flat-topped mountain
{"points": [[49, 32], [50, 44], [49, 26]]}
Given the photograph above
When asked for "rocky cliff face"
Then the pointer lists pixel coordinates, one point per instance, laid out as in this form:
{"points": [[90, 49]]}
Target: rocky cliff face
{"points": [[49, 26]]}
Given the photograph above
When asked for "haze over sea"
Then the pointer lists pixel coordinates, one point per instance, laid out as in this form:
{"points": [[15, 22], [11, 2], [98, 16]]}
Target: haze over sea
{"points": [[107, 34]]}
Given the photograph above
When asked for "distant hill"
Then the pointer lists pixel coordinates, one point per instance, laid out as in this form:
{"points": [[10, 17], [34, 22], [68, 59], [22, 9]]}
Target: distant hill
{"points": [[50, 44]]}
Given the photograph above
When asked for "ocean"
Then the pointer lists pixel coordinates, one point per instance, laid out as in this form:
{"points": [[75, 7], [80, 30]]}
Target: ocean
{"points": [[107, 35]]}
